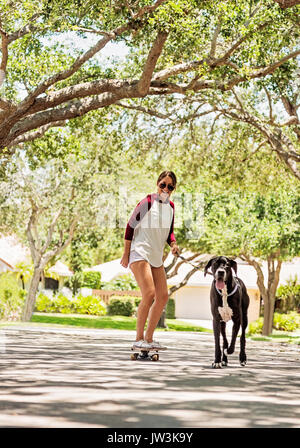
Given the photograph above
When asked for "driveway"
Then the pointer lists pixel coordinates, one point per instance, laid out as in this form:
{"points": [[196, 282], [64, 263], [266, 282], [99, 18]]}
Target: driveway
{"points": [[85, 378]]}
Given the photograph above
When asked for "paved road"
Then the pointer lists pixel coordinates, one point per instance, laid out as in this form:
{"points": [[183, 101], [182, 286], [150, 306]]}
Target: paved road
{"points": [[84, 378]]}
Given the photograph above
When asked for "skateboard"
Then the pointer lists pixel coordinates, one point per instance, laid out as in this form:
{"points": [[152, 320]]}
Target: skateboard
{"points": [[140, 354]]}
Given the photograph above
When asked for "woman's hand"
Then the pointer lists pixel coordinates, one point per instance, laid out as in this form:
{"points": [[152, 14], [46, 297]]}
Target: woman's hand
{"points": [[125, 260], [175, 249]]}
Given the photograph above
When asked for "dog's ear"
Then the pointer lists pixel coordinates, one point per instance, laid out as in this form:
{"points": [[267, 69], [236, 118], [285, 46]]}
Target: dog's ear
{"points": [[209, 265], [233, 265]]}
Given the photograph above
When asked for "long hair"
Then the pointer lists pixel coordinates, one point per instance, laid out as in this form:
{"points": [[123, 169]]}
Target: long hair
{"points": [[167, 173]]}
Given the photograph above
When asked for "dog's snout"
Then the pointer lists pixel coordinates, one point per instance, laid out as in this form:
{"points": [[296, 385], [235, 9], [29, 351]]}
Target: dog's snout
{"points": [[221, 272]]}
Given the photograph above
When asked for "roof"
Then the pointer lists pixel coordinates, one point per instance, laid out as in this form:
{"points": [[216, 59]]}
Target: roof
{"points": [[61, 269], [110, 270], [5, 265], [12, 251]]}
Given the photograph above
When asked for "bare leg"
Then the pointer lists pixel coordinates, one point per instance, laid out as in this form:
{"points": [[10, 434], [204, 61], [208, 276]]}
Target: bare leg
{"points": [[161, 298], [143, 275]]}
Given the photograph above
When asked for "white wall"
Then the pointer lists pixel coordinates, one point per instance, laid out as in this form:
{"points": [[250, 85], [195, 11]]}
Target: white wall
{"points": [[192, 302]]}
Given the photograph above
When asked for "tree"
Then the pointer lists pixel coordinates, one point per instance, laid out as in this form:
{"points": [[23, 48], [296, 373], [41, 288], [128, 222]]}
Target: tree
{"points": [[48, 204], [255, 227], [176, 48]]}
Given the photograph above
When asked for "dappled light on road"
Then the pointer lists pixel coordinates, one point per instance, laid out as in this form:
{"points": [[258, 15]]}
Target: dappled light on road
{"points": [[85, 378]]}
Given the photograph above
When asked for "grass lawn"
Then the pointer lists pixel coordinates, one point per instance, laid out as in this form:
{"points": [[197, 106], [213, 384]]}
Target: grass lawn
{"points": [[112, 322], [278, 336], [129, 323]]}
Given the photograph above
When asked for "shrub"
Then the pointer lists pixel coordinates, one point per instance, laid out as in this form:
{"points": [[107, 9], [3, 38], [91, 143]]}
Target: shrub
{"points": [[43, 303], [170, 309], [256, 326], [75, 282], [286, 322], [61, 304], [122, 283], [91, 280], [89, 305], [12, 297], [122, 306], [283, 322], [289, 296], [137, 301]]}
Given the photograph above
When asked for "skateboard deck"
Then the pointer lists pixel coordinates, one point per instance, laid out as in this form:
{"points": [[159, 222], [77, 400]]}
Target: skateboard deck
{"points": [[141, 354]]}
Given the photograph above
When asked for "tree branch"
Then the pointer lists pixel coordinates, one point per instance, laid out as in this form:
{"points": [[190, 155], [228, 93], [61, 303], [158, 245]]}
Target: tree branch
{"points": [[30, 136], [51, 229], [4, 60], [26, 29], [155, 52], [59, 249], [60, 76], [213, 44]]}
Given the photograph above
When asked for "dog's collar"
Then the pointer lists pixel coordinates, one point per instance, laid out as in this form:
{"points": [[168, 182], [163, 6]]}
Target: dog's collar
{"points": [[232, 292]]}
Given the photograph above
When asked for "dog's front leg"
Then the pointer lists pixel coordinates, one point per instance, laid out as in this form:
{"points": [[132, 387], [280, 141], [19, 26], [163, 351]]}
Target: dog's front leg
{"points": [[243, 357], [218, 354], [225, 344], [235, 330]]}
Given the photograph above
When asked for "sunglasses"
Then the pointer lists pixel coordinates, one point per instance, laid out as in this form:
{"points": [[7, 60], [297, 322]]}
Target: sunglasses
{"points": [[164, 185]]}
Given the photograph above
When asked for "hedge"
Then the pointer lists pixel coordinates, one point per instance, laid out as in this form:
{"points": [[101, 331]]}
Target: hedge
{"points": [[61, 304], [121, 305], [283, 322], [12, 297]]}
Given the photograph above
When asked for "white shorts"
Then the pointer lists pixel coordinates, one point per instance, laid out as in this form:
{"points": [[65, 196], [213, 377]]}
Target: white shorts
{"points": [[134, 256]]}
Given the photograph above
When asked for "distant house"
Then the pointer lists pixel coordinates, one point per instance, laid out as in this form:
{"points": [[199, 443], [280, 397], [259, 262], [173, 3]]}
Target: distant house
{"points": [[12, 252], [61, 273], [192, 300], [110, 270]]}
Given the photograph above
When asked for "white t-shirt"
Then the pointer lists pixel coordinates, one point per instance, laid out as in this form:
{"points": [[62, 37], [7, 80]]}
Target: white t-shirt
{"points": [[150, 227]]}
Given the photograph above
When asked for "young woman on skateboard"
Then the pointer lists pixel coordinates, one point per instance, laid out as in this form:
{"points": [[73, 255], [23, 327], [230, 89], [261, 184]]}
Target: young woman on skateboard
{"points": [[150, 226]]}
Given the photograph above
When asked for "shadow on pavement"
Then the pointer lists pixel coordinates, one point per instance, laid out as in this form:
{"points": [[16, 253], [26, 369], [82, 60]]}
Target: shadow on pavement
{"points": [[52, 378]]}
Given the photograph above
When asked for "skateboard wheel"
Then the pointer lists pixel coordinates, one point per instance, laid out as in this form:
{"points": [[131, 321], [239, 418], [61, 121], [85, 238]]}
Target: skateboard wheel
{"points": [[155, 357], [134, 356]]}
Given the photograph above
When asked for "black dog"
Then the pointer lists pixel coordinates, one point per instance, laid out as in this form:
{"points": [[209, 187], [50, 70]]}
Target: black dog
{"points": [[229, 300]]}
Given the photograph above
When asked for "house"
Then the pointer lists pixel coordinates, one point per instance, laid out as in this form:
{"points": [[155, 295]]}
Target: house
{"points": [[192, 300], [110, 270], [12, 252], [61, 273]]}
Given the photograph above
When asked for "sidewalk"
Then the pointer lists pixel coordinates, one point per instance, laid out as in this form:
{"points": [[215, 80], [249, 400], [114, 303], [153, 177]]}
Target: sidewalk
{"points": [[69, 378], [207, 324]]}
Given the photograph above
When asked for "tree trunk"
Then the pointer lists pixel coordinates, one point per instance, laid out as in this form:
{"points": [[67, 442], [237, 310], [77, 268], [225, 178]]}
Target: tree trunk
{"points": [[268, 294], [269, 303], [31, 298], [162, 320]]}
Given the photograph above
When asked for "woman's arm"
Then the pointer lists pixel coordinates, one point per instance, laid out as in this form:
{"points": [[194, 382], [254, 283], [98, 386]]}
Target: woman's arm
{"points": [[125, 258], [136, 217], [171, 238]]}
